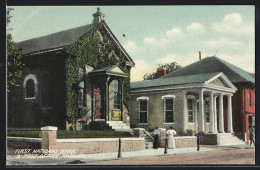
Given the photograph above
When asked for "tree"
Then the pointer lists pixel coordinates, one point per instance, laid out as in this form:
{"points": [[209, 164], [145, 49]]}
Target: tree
{"points": [[14, 70], [170, 67], [14, 56]]}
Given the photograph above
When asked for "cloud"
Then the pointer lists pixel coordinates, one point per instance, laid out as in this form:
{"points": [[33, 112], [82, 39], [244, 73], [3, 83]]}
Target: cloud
{"points": [[195, 27], [140, 69], [169, 58], [175, 32], [232, 23], [130, 46], [223, 42], [153, 41]]}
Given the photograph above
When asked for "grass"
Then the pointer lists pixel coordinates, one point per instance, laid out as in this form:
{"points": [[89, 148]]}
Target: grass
{"points": [[72, 134]]}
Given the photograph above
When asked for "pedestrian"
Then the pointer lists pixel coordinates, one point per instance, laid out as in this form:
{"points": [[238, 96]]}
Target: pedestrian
{"points": [[251, 136], [170, 132], [156, 134]]}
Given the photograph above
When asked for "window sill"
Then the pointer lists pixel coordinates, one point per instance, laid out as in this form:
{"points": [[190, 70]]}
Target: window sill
{"points": [[30, 98], [191, 123], [168, 123], [142, 123]]}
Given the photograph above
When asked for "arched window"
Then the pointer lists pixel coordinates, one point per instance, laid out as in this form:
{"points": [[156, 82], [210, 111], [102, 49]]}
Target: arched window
{"points": [[30, 86]]}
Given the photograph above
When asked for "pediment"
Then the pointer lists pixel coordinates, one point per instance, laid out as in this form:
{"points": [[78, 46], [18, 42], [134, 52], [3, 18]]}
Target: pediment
{"points": [[221, 81], [117, 70]]}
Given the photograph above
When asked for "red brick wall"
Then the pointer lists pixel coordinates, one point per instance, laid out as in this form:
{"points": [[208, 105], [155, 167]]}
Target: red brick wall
{"points": [[247, 107]]}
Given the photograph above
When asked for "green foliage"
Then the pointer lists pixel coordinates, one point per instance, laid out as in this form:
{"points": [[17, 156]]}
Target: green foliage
{"points": [[71, 134], [29, 134], [93, 50], [14, 55], [170, 67]]}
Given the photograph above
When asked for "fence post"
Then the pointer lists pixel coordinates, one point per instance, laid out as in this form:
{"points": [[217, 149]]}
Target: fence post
{"points": [[119, 148], [198, 142], [49, 136], [166, 145]]}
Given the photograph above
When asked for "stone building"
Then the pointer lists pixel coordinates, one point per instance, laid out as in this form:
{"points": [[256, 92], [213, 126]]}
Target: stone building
{"points": [[81, 73], [209, 96]]}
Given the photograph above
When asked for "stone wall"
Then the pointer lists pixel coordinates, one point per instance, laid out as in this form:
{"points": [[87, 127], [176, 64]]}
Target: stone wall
{"points": [[89, 145], [180, 142], [99, 145]]}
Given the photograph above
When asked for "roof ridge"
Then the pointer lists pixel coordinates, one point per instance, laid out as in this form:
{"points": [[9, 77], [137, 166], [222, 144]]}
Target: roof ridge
{"points": [[54, 33], [233, 68]]}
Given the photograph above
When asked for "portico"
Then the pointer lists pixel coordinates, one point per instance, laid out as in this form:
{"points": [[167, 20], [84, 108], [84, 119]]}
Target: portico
{"points": [[211, 95]]}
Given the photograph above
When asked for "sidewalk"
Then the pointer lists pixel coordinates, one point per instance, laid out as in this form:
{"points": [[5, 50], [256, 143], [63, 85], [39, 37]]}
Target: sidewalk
{"points": [[85, 158]]}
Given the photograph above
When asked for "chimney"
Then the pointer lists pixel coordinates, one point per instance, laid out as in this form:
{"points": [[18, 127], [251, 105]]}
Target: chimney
{"points": [[199, 55], [161, 72], [98, 17]]}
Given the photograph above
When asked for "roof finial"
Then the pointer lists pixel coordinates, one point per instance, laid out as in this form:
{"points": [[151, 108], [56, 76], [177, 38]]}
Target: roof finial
{"points": [[98, 16]]}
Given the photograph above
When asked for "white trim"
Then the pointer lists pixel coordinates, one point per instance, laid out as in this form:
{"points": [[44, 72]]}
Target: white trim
{"points": [[77, 140], [142, 123], [164, 107], [170, 87], [34, 78], [168, 123], [193, 109], [142, 98], [168, 96], [139, 111], [191, 97], [226, 80]]}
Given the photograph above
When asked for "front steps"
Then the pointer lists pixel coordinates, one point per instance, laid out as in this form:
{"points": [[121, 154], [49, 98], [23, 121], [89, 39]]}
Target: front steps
{"points": [[119, 126], [229, 139], [148, 140]]}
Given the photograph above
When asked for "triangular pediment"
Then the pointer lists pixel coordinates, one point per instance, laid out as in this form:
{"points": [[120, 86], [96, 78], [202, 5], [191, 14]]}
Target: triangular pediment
{"points": [[221, 81], [116, 70]]}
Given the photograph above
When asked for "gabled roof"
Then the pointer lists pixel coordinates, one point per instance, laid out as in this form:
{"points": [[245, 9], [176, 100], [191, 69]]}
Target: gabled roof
{"points": [[217, 81], [62, 39], [212, 65], [109, 70], [198, 78], [55, 40]]}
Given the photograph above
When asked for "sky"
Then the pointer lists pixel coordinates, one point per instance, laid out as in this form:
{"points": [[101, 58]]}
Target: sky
{"points": [[155, 34]]}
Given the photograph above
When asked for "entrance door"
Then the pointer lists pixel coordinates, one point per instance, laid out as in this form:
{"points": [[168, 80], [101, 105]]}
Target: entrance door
{"points": [[97, 105]]}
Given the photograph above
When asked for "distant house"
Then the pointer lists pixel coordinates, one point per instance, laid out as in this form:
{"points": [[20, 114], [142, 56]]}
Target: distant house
{"points": [[78, 74], [210, 95]]}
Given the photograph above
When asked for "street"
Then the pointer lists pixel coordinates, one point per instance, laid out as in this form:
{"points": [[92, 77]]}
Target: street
{"points": [[222, 156]]}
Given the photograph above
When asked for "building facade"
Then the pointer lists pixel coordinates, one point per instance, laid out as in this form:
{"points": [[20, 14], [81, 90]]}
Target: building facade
{"points": [[189, 100], [72, 77]]}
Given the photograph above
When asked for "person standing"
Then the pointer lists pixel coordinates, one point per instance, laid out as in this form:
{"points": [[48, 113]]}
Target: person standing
{"points": [[251, 136], [156, 134], [170, 133]]}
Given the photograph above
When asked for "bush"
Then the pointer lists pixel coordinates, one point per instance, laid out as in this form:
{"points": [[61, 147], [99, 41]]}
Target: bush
{"points": [[29, 134], [72, 134]]}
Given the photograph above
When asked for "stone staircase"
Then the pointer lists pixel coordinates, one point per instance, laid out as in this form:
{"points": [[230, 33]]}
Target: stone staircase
{"points": [[229, 139], [119, 126], [148, 140]]}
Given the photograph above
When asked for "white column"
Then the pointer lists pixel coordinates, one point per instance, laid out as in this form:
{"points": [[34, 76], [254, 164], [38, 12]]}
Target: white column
{"points": [[184, 118], [211, 113], [201, 112], [229, 114], [215, 115], [220, 111]]}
